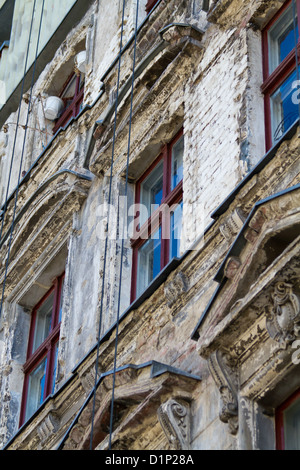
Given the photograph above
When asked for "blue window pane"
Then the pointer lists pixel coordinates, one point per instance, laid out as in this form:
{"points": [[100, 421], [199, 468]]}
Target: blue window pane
{"points": [[61, 299], [152, 191], [55, 368], [43, 321], [284, 106], [281, 38], [36, 388], [177, 163], [149, 261], [176, 224], [287, 42]]}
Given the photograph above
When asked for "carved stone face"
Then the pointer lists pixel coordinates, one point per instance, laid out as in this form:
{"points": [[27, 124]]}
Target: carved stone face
{"points": [[232, 267]]}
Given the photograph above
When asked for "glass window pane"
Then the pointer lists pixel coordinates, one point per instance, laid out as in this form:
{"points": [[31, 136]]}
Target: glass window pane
{"points": [[152, 191], [284, 107], [36, 387], [149, 256], [43, 321], [61, 299], [70, 89], [176, 224], [55, 367], [282, 38], [292, 427], [177, 163]]}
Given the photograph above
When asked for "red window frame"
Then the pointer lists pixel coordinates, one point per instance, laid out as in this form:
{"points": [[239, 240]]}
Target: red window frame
{"points": [[73, 109], [279, 419], [158, 218], [280, 74], [149, 5], [45, 350]]}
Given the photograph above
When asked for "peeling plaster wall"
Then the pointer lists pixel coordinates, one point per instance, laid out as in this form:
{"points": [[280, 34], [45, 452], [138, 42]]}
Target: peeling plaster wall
{"points": [[218, 100], [224, 98]]}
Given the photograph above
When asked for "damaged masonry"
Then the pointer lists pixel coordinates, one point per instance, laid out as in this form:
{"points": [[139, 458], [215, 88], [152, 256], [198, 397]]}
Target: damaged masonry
{"points": [[150, 225]]}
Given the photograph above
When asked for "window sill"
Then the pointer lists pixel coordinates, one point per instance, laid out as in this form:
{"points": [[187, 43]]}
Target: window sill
{"points": [[154, 285]]}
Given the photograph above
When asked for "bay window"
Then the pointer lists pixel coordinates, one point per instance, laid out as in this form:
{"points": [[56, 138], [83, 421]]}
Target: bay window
{"points": [[158, 227], [280, 41]]}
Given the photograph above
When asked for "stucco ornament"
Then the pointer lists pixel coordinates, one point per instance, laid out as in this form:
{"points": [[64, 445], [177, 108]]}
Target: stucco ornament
{"points": [[174, 417], [283, 319], [222, 371]]}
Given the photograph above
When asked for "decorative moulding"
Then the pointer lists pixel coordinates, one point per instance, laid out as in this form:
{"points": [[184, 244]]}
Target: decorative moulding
{"points": [[46, 215], [221, 367], [283, 316], [138, 394], [174, 417]]}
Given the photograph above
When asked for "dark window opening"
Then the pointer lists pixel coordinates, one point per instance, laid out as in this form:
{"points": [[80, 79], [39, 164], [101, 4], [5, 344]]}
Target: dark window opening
{"points": [[6, 18], [279, 242]]}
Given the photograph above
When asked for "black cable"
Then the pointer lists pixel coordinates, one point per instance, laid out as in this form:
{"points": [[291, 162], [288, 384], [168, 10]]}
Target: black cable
{"points": [[107, 227], [24, 141], [122, 247]]}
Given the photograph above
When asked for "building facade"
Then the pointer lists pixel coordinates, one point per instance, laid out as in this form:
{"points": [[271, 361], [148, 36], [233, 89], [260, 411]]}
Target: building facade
{"points": [[150, 225]]}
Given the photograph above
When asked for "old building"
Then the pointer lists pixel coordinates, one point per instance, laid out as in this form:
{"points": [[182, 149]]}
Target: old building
{"points": [[150, 224]]}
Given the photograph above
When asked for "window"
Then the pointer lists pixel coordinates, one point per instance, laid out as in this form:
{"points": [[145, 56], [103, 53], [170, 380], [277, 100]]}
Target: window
{"points": [[288, 424], [40, 366], [72, 96], [280, 74], [158, 224]]}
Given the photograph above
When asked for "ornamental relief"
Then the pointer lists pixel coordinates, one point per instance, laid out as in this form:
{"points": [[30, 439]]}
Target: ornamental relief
{"points": [[223, 370], [174, 417], [283, 318]]}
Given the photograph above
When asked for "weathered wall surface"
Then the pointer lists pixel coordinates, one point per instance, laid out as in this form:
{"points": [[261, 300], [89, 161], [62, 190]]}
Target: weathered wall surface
{"points": [[206, 79]]}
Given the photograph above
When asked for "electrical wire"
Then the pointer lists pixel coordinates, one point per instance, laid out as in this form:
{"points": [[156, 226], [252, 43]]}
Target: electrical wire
{"points": [[24, 139], [123, 228], [107, 229]]}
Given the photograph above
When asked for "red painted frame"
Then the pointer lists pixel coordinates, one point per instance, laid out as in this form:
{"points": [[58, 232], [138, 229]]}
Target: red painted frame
{"points": [[149, 5], [72, 110], [278, 76], [46, 349], [280, 444], [156, 219]]}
